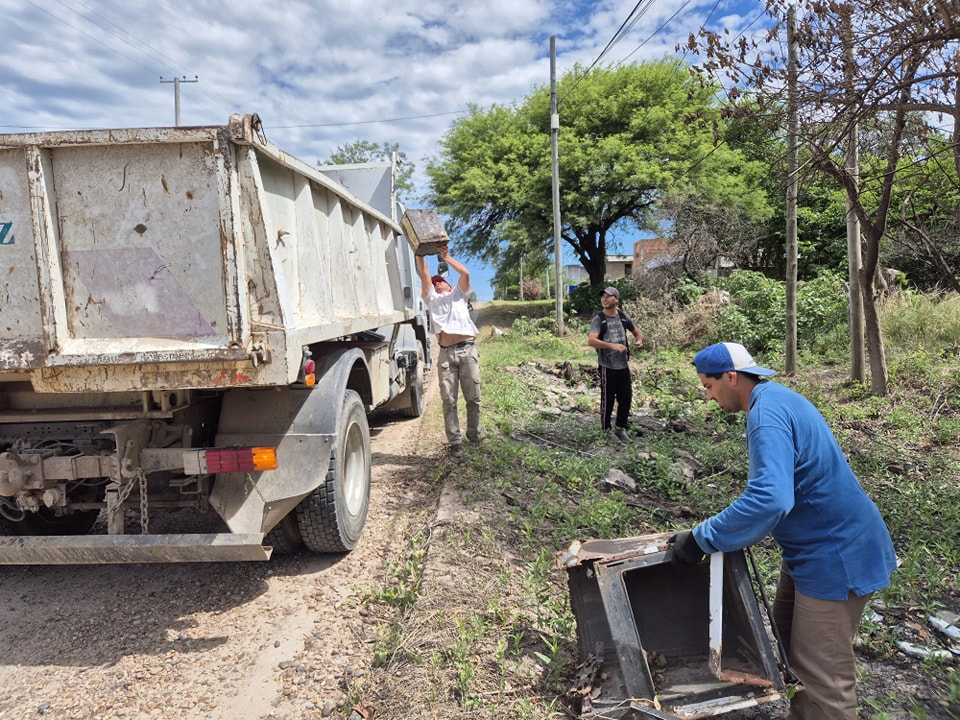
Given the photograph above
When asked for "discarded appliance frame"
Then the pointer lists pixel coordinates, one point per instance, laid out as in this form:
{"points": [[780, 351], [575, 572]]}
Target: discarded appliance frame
{"points": [[668, 642], [425, 229]]}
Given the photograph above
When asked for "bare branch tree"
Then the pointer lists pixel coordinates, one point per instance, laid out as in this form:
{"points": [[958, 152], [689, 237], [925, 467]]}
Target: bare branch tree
{"points": [[907, 67]]}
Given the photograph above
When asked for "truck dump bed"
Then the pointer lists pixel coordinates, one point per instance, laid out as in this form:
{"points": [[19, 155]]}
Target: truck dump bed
{"points": [[170, 257], [192, 320]]}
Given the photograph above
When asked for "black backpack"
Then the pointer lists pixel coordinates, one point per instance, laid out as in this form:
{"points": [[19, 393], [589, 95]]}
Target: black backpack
{"points": [[627, 323]]}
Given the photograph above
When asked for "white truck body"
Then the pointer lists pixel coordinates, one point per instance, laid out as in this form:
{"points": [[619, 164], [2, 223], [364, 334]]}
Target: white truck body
{"points": [[164, 291]]}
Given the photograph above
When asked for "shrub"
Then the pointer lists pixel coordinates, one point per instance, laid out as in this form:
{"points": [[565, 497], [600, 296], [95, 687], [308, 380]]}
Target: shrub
{"points": [[822, 326], [585, 298], [930, 321], [756, 319], [532, 288]]}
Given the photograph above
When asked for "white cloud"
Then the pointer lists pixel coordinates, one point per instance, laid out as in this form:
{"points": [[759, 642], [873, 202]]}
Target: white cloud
{"points": [[320, 74]]}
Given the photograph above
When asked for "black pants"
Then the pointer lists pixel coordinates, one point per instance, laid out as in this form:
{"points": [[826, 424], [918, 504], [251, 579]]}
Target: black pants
{"points": [[615, 386]]}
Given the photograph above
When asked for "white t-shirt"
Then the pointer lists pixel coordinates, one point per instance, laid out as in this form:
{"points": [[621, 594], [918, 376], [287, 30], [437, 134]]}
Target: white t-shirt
{"points": [[450, 311]]}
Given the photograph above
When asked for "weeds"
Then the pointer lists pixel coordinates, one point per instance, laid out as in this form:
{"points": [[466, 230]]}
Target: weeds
{"points": [[542, 479], [403, 589]]}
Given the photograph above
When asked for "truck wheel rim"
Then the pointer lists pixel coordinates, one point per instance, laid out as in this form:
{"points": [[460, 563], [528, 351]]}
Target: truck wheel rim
{"points": [[354, 471]]}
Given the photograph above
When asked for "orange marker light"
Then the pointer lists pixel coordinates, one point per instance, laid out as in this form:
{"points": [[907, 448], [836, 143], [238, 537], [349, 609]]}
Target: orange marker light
{"points": [[225, 460]]}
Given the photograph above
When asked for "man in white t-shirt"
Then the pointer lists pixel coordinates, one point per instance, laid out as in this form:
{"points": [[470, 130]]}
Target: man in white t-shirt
{"points": [[459, 363]]}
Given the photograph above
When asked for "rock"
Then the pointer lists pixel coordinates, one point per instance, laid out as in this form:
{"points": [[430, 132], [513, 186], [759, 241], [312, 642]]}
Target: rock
{"points": [[619, 479]]}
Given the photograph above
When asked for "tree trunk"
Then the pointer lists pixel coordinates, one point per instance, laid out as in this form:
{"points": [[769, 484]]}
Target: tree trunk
{"points": [[597, 271], [879, 379]]}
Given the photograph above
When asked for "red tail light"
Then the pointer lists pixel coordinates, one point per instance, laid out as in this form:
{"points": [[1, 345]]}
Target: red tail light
{"points": [[308, 369], [224, 460]]}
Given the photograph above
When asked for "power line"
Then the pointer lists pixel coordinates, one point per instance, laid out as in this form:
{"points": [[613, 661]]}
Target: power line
{"points": [[662, 26], [627, 24], [83, 32], [617, 36], [136, 44], [369, 122]]}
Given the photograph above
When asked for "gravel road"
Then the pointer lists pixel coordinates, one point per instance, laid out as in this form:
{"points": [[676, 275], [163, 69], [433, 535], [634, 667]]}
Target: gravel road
{"points": [[211, 641]]}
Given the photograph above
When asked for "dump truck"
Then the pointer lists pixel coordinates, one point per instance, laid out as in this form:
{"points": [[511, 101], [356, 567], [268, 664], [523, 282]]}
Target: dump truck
{"points": [[195, 322]]}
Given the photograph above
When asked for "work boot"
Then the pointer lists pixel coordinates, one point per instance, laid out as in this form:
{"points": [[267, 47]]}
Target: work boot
{"points": [[621, 435]]}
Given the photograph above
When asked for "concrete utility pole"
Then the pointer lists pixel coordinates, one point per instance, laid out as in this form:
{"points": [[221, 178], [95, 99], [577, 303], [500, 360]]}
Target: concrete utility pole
{"points": [[555, 156], [791, 209], [176, 94], [858, 358]]}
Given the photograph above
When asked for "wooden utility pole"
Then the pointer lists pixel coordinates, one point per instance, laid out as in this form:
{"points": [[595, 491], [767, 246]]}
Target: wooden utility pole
{"points": [[791, 209], [176, 95], [555, 157]]}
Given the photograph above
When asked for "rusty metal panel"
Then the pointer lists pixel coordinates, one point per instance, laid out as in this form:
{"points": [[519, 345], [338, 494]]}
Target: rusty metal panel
{"points": [[21, 328], [675, 642], [114, 247], [331, 258], [425, 231], [611, 578], [716, 613], [140, 242]]}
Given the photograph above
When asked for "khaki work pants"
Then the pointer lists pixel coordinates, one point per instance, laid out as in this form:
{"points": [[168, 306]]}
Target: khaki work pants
{"points": [[458, 367], [818, 636]]}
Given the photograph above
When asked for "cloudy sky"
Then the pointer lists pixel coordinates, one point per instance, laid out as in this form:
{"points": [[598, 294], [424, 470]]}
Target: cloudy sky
{"points": [[320, 74]]}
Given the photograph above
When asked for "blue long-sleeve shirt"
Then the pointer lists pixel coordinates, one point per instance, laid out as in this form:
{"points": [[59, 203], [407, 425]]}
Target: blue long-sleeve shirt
{"points": [[801, 489]]}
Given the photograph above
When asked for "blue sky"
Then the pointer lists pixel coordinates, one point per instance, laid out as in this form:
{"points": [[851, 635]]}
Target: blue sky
{"points": [[320, 74]]}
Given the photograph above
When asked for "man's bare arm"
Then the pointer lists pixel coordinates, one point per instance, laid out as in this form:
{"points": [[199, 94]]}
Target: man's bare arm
{"points": [[425, 283], [463, 281]]}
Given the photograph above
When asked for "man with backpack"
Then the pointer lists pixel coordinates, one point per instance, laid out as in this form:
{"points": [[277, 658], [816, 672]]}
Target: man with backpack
{"points": [[608, 334]]}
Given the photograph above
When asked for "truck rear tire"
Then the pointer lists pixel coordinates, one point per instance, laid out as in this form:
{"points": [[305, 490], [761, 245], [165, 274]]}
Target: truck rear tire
{"points": [[285, 537], [417, 389], [331, 518]]}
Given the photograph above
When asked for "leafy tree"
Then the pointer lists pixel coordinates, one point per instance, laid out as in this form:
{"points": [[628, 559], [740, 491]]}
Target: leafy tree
{"points": [[364, 151], [925, 224], [628, 137], [890, 61], [821, 208], [520, 261]]}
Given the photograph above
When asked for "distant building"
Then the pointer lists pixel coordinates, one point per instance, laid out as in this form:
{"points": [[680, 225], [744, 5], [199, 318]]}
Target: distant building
{"points": [[575, 274], [618, 266], [648, 254], [652, 253]]}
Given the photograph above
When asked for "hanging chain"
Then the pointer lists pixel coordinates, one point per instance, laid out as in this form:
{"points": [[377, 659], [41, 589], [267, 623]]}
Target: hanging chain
{"points": [[122, 496], [144, 516]]}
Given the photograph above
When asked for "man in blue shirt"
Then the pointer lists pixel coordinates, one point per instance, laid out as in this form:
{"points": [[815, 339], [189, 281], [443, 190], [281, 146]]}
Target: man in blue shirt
{"points": [[836, 548]]}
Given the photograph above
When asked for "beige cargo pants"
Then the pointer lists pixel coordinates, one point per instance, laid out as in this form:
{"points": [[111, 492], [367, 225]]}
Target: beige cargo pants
{"points": [[819, 635], [458, 367]]}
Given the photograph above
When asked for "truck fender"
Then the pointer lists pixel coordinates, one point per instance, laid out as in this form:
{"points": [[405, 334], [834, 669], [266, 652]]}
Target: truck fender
{"points": [[301, 422], [338, 370]]}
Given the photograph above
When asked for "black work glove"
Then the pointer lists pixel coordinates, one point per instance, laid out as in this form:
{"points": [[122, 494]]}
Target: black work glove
{"points": [[686, 551]]}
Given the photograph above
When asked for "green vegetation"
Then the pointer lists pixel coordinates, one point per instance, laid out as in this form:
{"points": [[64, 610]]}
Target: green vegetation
{"points": [[539, 477], [630, 137]]}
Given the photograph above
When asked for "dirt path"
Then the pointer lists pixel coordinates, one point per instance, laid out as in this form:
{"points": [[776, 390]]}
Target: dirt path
{"points": [[220, 641]]}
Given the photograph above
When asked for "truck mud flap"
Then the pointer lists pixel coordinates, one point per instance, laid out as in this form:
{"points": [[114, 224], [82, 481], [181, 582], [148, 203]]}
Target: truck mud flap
{"points": [[118, 549], [658, 641]]}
